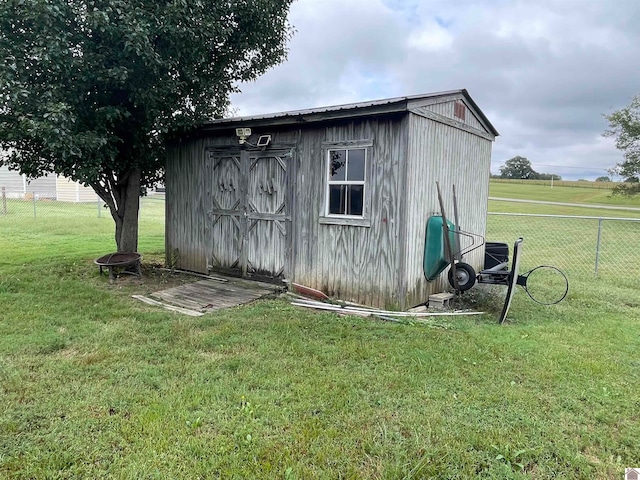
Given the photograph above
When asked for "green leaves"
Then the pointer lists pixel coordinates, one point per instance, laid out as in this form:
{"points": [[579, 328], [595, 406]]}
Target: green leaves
{"points": [[93, 88], [624, 126], [126, 70]]}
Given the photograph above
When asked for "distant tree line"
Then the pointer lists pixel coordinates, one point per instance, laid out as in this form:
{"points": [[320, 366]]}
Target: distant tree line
{"points": [[520, 168]]}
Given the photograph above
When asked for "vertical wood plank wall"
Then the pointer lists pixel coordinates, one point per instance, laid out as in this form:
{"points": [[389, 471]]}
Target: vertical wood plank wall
{"points": [[446, 109], [186, 240], [351, 262], [379, 265], [451, 156]]}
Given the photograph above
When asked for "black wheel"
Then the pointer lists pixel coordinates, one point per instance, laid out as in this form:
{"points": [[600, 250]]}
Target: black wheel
{"points": [[465, 274]]}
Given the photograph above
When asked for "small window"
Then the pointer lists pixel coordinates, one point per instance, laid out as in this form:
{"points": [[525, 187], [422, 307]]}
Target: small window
{"points": [[346, 181]]}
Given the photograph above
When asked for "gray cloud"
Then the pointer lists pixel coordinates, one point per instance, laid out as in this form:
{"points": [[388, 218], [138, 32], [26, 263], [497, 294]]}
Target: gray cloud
{"points": [[544, 72]]}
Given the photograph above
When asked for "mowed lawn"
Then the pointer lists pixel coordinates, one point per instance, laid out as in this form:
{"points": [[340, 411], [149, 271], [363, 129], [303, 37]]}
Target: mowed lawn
{"points": [[96, 385], [533, 190]]}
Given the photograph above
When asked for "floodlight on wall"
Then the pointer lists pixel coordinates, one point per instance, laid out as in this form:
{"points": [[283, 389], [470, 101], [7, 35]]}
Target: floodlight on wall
{"points": [[263, 141], [242, 134]]}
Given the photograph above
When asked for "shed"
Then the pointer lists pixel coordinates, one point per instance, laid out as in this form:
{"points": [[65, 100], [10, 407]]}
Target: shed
{"points": [[334, 198]]}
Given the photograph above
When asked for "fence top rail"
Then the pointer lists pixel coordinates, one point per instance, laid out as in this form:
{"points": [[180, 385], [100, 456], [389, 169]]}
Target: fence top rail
{"points": [[583, 217]]}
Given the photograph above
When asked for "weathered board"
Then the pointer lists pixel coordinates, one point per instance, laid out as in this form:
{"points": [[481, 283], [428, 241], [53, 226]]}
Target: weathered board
{"points": [[260, 213], [249, 197], [209, 295], [441, 152]]}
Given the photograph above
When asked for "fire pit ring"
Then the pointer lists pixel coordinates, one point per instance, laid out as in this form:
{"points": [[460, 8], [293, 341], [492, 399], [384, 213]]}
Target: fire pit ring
{"points": [[120, 260]]}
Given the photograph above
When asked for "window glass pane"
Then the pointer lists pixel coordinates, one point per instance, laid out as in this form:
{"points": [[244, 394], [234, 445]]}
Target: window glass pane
{"points": [[337, 199], [355, 168], [337, 164], [355, 199]]}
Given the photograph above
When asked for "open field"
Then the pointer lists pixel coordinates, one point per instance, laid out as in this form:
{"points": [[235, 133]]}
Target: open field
{"points": [[532, 190], [546, 209], [96, 385], [560, 183]]}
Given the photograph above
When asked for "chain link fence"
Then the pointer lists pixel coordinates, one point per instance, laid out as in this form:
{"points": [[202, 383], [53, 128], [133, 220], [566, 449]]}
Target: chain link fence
{"points": [[18, 205], [581, 246]]}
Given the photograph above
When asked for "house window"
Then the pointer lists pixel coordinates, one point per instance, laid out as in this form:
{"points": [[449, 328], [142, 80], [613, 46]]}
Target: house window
{"points": [[346, 181]]}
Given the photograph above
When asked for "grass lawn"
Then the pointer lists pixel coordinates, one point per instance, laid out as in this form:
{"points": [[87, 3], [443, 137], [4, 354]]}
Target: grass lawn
{"points": [[569, 243], [562, 194], [96, 385], [545, 209]]}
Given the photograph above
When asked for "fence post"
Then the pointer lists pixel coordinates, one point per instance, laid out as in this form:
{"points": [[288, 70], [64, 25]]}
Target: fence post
{"points": [[4, 201], [99, 211], [598, 245], [34, 205]]}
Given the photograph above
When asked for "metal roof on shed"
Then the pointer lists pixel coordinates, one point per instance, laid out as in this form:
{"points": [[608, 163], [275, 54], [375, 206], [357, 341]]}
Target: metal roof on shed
{"points": [[389, 105]]}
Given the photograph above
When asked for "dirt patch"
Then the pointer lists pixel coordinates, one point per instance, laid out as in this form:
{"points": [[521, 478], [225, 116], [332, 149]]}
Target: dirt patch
{"points": [[154, 277]]}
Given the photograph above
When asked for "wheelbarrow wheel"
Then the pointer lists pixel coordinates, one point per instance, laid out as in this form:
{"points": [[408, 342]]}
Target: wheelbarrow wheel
{"points": [[465, 274]]}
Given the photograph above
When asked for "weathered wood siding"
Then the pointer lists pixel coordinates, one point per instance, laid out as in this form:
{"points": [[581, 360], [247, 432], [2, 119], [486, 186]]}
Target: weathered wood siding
{"points": [[446, 108], [186, 231], [376, 261], [440, 152], [356, 263]]}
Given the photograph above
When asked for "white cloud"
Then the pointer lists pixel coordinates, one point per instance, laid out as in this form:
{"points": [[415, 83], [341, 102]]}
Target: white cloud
{"points": [[544, 72], [431, 37]]}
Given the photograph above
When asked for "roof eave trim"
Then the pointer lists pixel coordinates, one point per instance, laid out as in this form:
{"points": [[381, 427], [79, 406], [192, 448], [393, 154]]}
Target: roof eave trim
{"points": [[306, 118]]}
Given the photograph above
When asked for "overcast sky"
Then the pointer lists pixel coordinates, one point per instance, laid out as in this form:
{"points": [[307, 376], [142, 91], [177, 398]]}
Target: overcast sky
{"points": [[543, 71]]}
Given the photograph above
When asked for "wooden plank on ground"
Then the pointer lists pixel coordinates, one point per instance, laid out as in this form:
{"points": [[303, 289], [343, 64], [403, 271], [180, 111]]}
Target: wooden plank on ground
{"points": [[207, 295], [177, 300], [173, 308]]}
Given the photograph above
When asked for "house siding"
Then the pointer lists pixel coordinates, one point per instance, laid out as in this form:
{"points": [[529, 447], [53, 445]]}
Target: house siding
{"points": [[69, 191], [17, 186]]}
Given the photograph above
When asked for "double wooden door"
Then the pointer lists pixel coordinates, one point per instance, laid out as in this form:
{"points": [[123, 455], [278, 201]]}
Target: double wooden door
{"points": [[249, 219]]}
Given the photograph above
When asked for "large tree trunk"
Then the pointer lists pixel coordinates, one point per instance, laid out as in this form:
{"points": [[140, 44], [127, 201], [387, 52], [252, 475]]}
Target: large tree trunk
{"points": [[127, 214], [123, 200]]}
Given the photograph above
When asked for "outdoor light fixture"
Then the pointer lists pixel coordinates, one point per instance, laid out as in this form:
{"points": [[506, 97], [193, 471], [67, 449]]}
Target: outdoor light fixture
{"points": [[263, 141], [242, 134]]}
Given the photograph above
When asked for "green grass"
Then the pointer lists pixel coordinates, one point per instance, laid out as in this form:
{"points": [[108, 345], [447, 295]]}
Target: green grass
{"points": [[572, 244], [545, 209], [568, 243], [96, 385], [532, 190], [563, 183]]}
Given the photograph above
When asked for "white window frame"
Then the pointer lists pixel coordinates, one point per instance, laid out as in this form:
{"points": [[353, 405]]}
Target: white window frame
{"points": [[363, 220]]}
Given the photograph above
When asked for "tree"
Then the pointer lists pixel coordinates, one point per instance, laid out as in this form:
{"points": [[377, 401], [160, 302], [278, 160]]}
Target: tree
{"points": [[93, 89], [548, 176], [624, 125], [603, 179], [517, 167]]}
